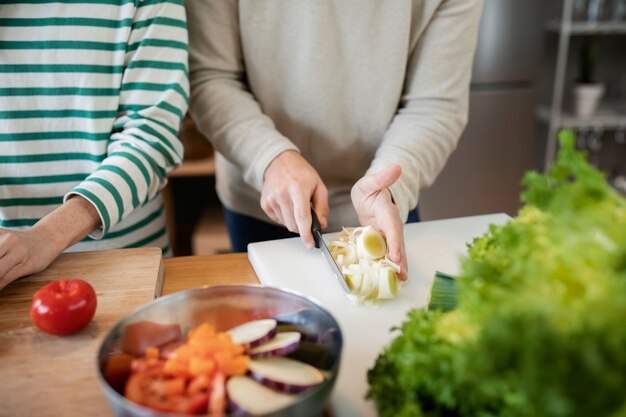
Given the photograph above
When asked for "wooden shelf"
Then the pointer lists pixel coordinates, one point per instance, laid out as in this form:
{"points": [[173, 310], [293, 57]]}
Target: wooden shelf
{"points": [[195, 168], [589, 28], [607, 116]]}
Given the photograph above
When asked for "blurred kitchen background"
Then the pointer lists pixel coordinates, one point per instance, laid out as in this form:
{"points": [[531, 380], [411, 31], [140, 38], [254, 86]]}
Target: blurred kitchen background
{"points": [[540, 66]]}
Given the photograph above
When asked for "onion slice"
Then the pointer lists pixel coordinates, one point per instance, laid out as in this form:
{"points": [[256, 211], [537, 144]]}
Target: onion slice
{"points": [[248, 396], [361, 253], [253, 333], [285, 375], [282, 344], [370, 244]]}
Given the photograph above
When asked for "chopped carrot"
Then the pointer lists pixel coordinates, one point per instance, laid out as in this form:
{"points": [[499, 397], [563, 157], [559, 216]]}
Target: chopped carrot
{"points": [[192, 375], [175, 386], [152, 353], [236, 366], [206, 352], [172, 367], [200, 366]]}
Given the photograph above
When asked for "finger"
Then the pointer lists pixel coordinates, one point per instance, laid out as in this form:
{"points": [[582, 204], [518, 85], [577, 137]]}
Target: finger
{"points": [[11, 275], [397, 252], [272, 208], [269, 210], [276, 218], [285, 209], [389, 176], [320, 204], [5, 244], [3, 283], [7, 262], [302, 214], [393, 229], [371, 184]]}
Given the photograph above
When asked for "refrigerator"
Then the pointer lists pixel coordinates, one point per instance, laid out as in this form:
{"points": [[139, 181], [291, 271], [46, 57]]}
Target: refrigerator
{"points": [[498, 145]]}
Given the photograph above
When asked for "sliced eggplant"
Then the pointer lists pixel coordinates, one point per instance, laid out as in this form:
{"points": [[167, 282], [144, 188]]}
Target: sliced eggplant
{"points": [[246, 396], [253, 333], [285, 375], [282, 344]]}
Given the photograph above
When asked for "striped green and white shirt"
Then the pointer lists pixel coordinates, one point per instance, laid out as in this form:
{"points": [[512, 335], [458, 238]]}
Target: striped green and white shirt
{"points": [[92, 93]]}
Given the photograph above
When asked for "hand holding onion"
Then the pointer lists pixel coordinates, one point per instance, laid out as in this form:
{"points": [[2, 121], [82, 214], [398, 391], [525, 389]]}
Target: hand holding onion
{"points": [[374, 206]]}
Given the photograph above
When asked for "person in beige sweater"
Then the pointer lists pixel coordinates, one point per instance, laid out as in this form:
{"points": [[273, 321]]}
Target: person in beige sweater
{"points": [[352, 106]]}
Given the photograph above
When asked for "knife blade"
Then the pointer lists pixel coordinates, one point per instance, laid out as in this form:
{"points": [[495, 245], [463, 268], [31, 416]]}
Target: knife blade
{"points": [[316, 229]]}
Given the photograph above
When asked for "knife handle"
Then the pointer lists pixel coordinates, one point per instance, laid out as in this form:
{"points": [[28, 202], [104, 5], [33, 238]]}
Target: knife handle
{"points": [[316, 229]]}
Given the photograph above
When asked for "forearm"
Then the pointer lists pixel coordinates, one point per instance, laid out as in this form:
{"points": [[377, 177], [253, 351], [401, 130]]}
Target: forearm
{"points": [[25, 252], [69, 223]]}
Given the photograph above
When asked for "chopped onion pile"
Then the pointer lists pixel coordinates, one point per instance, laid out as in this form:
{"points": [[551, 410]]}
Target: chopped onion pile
{"points": [[361, 254]]}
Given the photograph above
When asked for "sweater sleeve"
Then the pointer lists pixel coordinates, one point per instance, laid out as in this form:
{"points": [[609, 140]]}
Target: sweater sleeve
{"points": [[434, 107], [144, 145], [221, 102]]}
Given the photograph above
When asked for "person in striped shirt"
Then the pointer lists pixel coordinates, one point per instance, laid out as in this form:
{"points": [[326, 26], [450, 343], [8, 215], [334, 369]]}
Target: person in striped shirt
{"points": [[92, 93]]}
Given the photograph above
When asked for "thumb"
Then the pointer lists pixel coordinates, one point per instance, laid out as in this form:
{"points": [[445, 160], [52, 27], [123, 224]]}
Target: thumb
{"points": [[371, 184]]}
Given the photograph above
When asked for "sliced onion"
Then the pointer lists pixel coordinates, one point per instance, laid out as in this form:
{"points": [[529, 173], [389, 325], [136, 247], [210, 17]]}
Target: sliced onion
{"points": [[282, 344], [354, 280], [370, 275], [387, 284], [396, 268], [344, 253], [369, 289], [253, 333], [370, 244], [248, 396], [285, 375]]}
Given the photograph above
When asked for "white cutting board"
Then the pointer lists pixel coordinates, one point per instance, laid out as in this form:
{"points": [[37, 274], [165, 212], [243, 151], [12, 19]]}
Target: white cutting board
{"points": [[430, 246]]}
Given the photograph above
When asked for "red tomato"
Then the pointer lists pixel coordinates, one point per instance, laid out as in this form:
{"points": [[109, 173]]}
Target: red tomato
{"points": [[63, 307], [150, 387]]}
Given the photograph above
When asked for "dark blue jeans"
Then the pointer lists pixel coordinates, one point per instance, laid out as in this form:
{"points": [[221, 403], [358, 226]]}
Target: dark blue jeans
{"points": [[244, 229]]}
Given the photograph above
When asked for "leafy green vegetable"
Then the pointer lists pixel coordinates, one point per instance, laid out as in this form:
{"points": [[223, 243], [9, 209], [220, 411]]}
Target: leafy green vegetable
{"points": [[540, 328]]}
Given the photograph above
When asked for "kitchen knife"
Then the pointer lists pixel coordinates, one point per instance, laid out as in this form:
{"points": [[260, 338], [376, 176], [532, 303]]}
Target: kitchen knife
{"points": [[316, 229]]}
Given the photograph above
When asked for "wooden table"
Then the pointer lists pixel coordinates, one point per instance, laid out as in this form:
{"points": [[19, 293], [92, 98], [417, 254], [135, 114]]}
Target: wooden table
{"points": [[25, 353], [188, 272], [45, 375]]}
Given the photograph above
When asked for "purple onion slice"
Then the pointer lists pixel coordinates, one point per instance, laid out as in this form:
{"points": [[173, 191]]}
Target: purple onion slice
{"points": [[249, 397], [253, 333], [284, 374], [282, 344]]}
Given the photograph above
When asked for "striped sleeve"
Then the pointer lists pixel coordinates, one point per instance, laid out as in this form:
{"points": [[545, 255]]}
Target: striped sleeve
{"points": [[154, 95]]}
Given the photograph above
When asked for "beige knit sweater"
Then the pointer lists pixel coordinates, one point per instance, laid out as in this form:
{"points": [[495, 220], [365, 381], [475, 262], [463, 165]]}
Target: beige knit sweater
{"points": [[353, 85]]}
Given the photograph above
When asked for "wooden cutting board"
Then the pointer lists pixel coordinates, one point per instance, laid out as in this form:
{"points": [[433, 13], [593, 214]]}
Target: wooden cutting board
{"points": [[45, 375], [430, 246]]}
